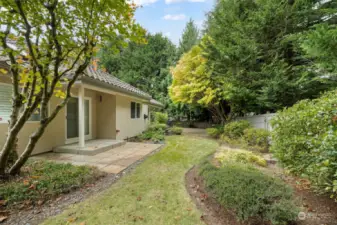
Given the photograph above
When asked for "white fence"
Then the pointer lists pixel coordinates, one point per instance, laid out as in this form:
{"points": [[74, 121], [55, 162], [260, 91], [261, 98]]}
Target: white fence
{"points": [[260, 121]]}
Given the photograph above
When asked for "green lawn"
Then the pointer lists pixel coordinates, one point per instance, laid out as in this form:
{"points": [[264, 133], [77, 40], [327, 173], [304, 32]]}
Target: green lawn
{"points": [[154, 193]]}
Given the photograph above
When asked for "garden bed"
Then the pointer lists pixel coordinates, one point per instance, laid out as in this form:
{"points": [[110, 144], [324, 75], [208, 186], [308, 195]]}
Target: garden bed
{"points": [[317, 209]]}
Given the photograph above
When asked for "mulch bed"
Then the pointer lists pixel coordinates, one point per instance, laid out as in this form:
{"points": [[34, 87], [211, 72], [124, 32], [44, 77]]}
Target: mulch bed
{"points": [[318, 209], [38, 213]]}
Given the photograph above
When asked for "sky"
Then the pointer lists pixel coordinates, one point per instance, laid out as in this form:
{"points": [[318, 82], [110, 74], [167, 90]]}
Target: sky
{"points": [[170, 16]]}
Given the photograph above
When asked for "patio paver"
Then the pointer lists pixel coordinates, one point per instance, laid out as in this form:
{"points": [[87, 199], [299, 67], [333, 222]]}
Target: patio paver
{"points": [[112, 161]]}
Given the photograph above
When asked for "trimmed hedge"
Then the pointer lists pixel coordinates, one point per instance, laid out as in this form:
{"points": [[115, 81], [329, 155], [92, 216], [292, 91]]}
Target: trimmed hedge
{"points": [[250, 193], [305, 140]]}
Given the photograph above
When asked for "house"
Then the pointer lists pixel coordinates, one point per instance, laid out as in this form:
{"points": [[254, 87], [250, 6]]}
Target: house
{"points": [[112, 110]]}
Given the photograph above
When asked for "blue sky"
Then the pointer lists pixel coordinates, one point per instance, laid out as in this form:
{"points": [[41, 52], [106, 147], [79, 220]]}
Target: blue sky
{"points": [[170, 16]]}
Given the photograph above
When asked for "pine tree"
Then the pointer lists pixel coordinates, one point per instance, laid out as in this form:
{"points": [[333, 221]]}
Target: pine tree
{"points": [[189, 38]]}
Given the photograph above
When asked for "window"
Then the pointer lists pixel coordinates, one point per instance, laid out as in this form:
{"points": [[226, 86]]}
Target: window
{"points": [[6, 105], [135, 110], [138, 110], [5, 102]]}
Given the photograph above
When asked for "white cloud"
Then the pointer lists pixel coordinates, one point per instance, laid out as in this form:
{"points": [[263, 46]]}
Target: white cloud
{"points": [[176, 1], [144, 2], [174, 17]]}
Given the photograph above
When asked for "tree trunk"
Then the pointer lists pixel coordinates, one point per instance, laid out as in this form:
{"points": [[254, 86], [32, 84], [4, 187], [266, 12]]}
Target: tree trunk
{"points": [[15, 169]]}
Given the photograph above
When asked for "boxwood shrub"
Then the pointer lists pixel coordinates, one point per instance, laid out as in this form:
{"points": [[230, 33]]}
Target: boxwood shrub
{"points": [[304, 139], [251, 194]]}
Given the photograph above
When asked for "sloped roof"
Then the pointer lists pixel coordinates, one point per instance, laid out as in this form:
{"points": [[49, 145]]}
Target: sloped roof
{"points": [[107, 78]]}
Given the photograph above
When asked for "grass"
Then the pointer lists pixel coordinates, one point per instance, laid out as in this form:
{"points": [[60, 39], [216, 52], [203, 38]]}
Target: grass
{"points": [[42, 180], [154, 193]]}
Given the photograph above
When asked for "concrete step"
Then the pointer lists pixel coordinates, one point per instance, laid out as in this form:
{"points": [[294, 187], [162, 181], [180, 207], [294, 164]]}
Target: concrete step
{"points": [[92, 147]]}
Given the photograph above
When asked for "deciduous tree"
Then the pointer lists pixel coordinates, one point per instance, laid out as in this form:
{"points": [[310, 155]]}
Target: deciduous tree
{"points": [[54, 43]]}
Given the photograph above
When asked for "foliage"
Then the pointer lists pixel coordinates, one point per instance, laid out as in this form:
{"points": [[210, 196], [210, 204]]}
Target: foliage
{"points": [[215, 132], [250, 193], [189, 38], [49, 44], [320, 44], [255, 48], [155, 132], [241, 156], [145, 66], [236, 129], [160, 117], [176, 130], [157, 127], [194, 84], [305, 140], [258, 138], [43, 180]]}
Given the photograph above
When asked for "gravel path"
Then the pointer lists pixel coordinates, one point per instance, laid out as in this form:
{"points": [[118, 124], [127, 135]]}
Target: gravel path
{"points": [[53, 207]]}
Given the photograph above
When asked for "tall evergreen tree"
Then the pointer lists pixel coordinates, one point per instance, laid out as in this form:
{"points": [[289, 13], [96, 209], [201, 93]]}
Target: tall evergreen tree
{"points": [[189, 38], [145, 66], [255, 47]]}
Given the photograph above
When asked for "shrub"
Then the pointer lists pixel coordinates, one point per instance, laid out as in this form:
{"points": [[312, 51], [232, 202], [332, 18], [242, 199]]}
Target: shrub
{"points": [[176, 130], [241, 156], [235, 129], [160, 117], [157, 137], [157, 127], [213, 132], [305, 140], [250, 193], [42, 180], [239, 142], [155, 132], [257, 138]]}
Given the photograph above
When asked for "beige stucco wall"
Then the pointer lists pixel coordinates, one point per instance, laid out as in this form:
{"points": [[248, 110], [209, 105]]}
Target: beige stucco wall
{"points": [[53, 136], [106, 116], [111, 114], [129, 127]]}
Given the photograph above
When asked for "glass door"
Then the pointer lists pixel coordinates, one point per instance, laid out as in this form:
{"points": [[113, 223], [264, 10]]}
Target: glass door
{"points": [[73, 119]]}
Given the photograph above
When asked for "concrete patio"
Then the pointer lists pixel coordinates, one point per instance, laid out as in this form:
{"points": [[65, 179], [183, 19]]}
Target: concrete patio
{"points": [[91, 147], [111, 161]]}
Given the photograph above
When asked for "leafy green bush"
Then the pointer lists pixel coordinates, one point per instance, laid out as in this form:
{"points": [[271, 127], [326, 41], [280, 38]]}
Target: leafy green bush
{"points": [[43, 180], [176, 130], [155, 132], [160, 117], [242, 156], [157, 137], [305, 140], [213, 132], [250, 193], [238, 142], [235, 129], [258, 139], [157, 127]]}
